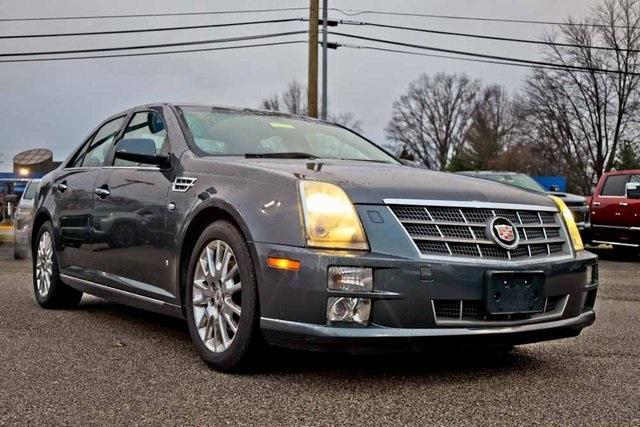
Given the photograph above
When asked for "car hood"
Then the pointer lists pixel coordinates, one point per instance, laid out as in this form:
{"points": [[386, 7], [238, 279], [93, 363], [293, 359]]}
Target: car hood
{"points": [[371, 183], [570, 199]]}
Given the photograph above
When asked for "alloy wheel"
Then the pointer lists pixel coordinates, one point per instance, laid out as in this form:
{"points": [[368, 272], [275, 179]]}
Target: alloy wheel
{"points": [[44, 264], [216, 296]]}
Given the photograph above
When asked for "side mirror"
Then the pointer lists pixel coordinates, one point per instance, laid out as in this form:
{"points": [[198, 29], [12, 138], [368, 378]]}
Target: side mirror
{"points": [[140, 150], [411, 163], [633, 190]]}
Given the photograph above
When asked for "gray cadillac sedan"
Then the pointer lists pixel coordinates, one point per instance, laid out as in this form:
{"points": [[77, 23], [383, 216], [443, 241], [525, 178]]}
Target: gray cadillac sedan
{"points": [[258, 226]]}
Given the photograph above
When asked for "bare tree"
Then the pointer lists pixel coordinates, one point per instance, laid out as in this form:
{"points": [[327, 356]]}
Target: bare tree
{"points": [[347, 120], [294, 101], [579, 118], [491, 129], [431, 120]]}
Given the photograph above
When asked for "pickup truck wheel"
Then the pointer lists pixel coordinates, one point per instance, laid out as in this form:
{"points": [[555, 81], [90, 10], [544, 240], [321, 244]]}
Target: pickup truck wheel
{"points": [[49, 289], [626, 252], [222, 298]]}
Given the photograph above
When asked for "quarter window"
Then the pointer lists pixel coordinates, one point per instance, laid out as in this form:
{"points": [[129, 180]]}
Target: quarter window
{"points": [[615, 185], [99, 148], [147, 125]]}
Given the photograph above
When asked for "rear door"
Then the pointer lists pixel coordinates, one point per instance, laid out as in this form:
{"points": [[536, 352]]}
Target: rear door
{"points": [[606, 208], [73, 192], [131, 250]]}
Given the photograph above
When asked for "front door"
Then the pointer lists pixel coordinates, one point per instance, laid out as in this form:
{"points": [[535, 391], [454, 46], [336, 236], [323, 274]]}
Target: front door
{"points": [[131, 245], [607, 206]]}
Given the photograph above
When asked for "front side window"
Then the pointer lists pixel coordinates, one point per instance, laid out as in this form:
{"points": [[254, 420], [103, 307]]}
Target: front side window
{"points": [[615, 186], [146, 125], [219, 132], [99, 147]]}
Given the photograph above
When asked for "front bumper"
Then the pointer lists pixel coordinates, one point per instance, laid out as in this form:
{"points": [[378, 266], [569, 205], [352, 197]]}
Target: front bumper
{"points": [[293, 303]]}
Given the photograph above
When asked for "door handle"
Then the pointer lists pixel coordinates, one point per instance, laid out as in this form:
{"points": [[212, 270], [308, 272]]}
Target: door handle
{"points": [[102, 192], [624, 204], [61, 187], [596, 203]]}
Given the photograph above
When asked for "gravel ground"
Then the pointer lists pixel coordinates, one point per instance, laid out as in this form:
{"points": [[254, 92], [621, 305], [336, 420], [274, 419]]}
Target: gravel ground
{"points": [[107, 364]]}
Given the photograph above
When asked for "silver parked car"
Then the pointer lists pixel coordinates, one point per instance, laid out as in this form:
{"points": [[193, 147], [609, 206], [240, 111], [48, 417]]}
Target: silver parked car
{"points": [[23, 219]]}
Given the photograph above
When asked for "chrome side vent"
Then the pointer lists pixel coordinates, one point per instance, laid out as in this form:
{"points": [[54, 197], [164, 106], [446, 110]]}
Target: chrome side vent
{"points": [[182, 184]]}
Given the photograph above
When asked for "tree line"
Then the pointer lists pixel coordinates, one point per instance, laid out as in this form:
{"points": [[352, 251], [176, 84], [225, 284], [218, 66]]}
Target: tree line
{"points": [[576, 120]]}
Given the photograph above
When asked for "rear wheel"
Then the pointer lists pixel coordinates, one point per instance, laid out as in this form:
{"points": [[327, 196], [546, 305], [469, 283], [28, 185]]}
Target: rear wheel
{"points": [[49, 289], [222, 298]]}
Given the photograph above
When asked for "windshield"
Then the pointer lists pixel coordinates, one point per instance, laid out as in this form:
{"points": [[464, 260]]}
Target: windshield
{"points": [[516, 180], [30, 191], [220, 132]]}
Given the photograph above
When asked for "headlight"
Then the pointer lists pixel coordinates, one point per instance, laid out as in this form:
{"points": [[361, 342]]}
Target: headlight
{"points": [[330, 220], [570, 222]]}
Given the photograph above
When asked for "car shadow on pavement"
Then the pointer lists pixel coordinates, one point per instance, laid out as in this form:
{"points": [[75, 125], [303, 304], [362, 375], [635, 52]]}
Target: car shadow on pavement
{"points": [[608, 254], [282, 361]]}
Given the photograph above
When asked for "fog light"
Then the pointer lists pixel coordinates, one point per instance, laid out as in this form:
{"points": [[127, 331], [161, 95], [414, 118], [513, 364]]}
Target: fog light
{"points": [[349, 310], [350, 279]]}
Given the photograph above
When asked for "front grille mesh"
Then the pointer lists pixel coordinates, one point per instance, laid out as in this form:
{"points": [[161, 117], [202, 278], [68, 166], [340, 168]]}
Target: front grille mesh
{"points": [[474, 310], [461, 232]]}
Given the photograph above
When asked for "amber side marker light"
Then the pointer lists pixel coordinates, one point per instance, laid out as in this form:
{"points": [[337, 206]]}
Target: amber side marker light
{"points": [[283, 263]]}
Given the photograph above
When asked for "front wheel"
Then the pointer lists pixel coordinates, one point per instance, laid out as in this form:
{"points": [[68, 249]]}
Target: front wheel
{"points": [[49, 289], [222, 298]]}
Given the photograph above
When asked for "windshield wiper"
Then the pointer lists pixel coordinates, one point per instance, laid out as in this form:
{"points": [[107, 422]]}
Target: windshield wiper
{"points": [[285, 155], [365, 160]]}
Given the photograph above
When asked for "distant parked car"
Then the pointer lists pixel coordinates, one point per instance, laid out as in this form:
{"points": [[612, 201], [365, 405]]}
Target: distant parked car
{"points": [[23, 219], [578, 204], [615, 212]]}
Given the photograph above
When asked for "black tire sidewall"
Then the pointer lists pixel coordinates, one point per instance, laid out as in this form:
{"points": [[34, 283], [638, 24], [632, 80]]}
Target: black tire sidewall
{"points": [[60, 295], [248, 327]]}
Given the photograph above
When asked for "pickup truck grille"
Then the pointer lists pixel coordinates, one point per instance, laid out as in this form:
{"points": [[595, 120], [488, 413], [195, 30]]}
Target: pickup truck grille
{"points": [[461, 232]]}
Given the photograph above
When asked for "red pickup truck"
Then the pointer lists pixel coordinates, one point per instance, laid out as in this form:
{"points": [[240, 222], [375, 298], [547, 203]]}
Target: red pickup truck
{"points": [[615, 211]]}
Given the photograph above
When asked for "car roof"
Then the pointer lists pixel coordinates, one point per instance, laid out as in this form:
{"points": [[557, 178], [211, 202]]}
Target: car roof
{"points": [[490, 173], [623, 172]]}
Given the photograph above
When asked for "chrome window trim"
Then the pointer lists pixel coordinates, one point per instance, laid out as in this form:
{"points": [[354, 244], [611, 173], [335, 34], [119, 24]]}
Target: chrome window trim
{"points": [[154, 168], [536, 318], [470, 204]]}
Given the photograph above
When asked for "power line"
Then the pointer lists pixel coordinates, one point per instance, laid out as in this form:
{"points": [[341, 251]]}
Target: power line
{"points": [[431, 55], [148, 15], [168, 52], [353, 12], [154, 46], [147, 30], [481, 55], [483, 36]]}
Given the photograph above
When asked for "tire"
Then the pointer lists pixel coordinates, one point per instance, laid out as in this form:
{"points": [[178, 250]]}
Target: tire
{"points": [[626, 252], [213, 305], [50, 291]]}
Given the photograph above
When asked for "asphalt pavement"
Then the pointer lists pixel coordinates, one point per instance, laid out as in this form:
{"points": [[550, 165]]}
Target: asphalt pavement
{"points": [[104, 363]]}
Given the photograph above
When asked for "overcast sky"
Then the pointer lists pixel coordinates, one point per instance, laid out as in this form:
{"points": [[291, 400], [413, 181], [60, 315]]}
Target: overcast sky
{"points": [[55, 104]]}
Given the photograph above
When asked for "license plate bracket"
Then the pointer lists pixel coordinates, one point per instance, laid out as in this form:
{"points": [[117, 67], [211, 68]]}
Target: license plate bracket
{"points": [[514, 292]]}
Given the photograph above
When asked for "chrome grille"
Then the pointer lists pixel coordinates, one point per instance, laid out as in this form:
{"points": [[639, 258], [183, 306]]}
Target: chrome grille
{"points": [[461, 231], [452, 311]]}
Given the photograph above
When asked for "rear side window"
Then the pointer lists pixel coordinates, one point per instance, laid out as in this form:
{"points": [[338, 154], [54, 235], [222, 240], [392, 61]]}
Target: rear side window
{"points": [[99, 148], [615, 185]]}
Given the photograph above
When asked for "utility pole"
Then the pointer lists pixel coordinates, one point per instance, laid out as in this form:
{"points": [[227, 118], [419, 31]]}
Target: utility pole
{"points": [[325, 17], [312, 84]]}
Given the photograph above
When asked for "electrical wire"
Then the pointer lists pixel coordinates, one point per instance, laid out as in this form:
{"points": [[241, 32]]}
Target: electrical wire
{"points": [[168, 52], [431, 55], [148, 30], [484, 37], [481, 55], [150, 15], [354, 12], [154, 46]]}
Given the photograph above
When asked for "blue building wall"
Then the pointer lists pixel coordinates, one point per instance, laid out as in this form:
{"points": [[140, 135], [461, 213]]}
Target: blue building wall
{"points": [[549, 181]]}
